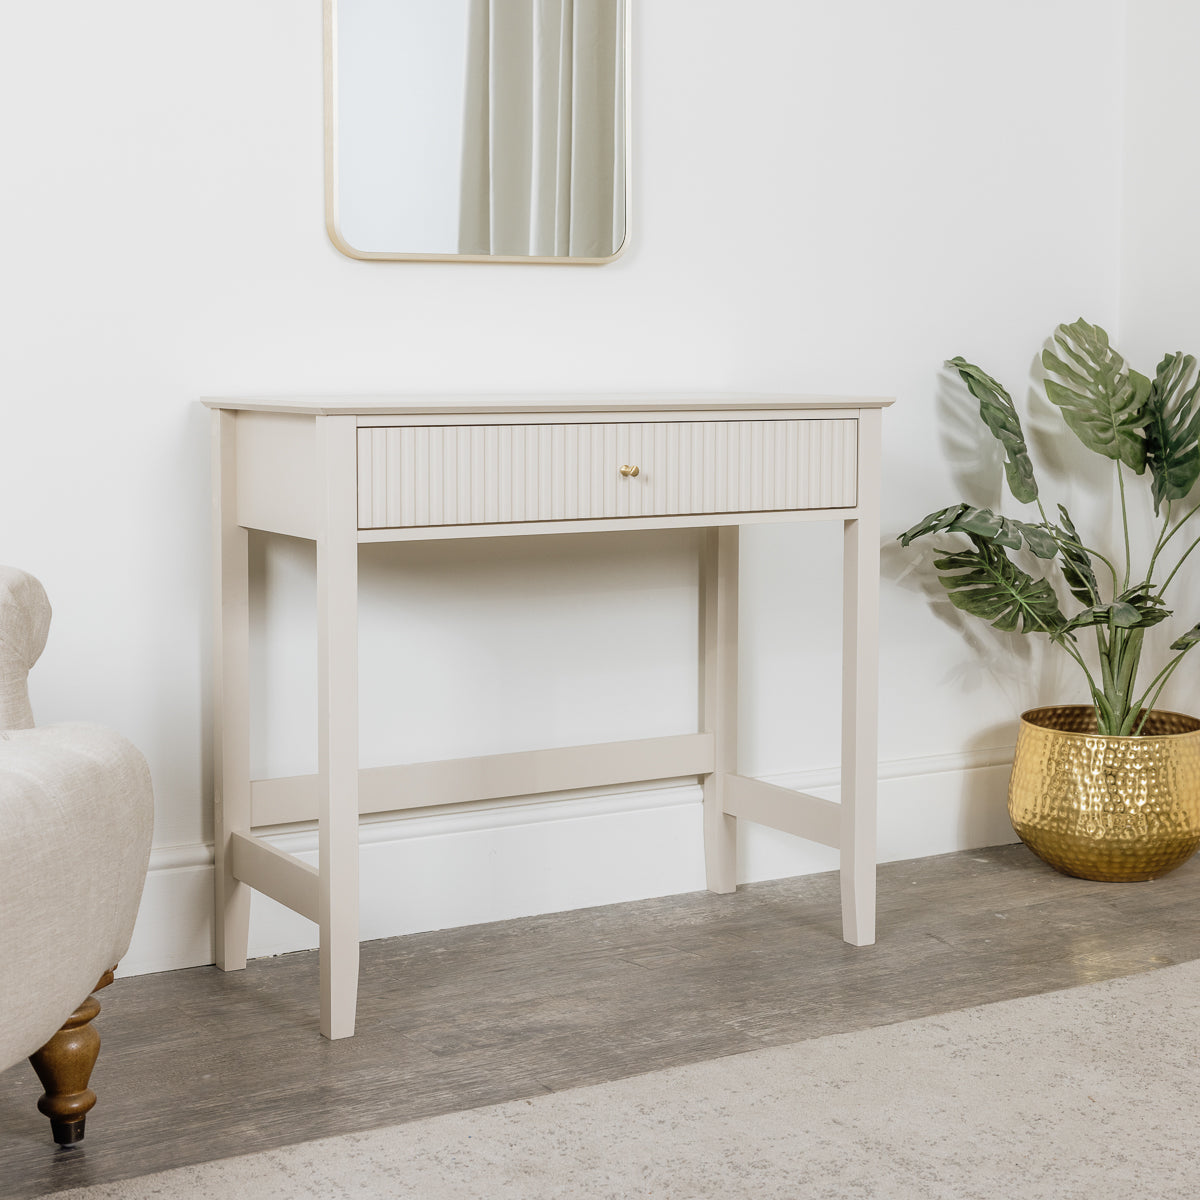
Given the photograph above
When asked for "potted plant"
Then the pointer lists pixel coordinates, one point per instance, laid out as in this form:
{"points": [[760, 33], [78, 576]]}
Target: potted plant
{"points": [[1110, 789]]}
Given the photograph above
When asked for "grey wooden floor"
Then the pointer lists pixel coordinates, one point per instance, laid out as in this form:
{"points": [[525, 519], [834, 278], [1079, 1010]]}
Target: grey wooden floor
{"points": [[199, 1065]]}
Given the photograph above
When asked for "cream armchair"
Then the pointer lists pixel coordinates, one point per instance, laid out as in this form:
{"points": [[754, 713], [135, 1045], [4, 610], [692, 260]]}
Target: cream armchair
{"points": [[76, 813]]}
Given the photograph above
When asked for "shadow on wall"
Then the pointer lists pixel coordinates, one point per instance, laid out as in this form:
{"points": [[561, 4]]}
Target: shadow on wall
{"points": [[1026, 669], [975, 457]]}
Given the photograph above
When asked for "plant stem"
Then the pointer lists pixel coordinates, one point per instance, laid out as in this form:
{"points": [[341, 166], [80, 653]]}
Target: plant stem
{"points": [[1179, 564], [1066, 644], [1104, 713], [1163, 538], [1164, 675], [1092, 553], [1124, 523], [1131, 653], [1066, 541], [1106, 671], [1120, 652], [1148, 708], [1180, 523], [1118, 695]]}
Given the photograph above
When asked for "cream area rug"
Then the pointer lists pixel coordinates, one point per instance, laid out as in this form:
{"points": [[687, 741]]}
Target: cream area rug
{"points": [[1091, 1093]]}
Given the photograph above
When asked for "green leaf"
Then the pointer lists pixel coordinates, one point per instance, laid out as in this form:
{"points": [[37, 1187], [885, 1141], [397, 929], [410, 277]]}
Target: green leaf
{"points": [[1173, 429], [999, 414], [1146, 601], [986, 583], [985, 524], [947, 519], [1124, 615], [1038, 538], [1096, 615], [988, 526], [1134, 609], [1076, 562], [1102, 399], [1188, 640], [934, 523]]}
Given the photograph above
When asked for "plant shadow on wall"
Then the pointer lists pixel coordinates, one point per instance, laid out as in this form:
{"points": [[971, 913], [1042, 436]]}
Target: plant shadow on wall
{"points": [[1017, 666], [1131, 776]]}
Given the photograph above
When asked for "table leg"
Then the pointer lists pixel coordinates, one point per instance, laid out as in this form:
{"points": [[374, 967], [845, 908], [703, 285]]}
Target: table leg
{"points": [[860, 696], [337, 725], [231, 687], [718, 698]]}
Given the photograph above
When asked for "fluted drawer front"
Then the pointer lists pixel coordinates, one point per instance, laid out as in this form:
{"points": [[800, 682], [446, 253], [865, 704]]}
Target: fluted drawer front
{"points": [[488, 474]]}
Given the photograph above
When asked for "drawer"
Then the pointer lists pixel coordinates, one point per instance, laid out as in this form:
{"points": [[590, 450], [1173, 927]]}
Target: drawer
{"points": [[488, 474]]}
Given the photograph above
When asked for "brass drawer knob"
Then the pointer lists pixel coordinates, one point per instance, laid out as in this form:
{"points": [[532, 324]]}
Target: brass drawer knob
{"points": [[629, 472]]}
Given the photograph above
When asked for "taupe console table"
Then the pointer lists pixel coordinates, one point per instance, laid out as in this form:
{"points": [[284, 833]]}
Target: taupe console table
{"points": [[342, 472]]}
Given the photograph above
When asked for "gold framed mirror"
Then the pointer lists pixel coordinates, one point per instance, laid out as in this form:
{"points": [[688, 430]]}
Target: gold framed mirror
{"points": [[478, 130]]}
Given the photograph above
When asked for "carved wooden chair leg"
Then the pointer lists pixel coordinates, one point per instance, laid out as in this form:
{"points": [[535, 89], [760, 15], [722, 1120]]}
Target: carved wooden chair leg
{"points": [[64, 1065]]}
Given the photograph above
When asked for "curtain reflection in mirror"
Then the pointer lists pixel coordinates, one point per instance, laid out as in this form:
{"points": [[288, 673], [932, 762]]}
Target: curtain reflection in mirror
{"points": [[543, 138]]}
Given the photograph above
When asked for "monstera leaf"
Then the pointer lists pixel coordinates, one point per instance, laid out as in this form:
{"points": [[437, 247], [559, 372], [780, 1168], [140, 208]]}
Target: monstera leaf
{"points": [[1102, 399], [986, 583], [1188, 640], [987, 526], [999, 414], [1076, 564], [1173, 429], [1133, 609]]}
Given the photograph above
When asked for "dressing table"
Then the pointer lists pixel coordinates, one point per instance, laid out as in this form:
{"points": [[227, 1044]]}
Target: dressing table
{"points": [[341, 472]]}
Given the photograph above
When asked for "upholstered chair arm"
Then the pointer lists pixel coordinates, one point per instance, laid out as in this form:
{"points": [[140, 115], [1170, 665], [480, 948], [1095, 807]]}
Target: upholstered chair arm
{"points": [[24, 623], [76, 816]]}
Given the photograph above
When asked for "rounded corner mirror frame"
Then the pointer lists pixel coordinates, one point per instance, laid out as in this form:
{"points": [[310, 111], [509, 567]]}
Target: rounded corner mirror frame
{"points": [[332, 205]]}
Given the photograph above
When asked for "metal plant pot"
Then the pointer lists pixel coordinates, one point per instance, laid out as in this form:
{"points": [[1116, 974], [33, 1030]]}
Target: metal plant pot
{"points": [[1103, 807]]}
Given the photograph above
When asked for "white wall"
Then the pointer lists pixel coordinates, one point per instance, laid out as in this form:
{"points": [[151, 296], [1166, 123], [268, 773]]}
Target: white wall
{"points": [[1160, 278], [1160, 265], [828, 198]]}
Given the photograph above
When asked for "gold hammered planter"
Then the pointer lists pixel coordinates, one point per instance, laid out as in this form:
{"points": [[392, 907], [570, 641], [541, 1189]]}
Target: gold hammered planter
{"points": [[1104, 807]]}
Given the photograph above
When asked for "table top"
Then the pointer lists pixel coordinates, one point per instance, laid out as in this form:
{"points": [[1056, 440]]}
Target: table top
{"points": [[518, 402]]}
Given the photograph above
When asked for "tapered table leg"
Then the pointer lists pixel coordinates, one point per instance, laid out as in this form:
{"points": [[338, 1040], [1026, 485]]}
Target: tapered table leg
{"points": [[231, 686], [337, 724], [860, 694], [718, 698]]}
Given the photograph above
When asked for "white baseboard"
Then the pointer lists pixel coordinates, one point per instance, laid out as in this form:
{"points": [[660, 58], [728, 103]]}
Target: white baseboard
{"points": [[514, 859]]}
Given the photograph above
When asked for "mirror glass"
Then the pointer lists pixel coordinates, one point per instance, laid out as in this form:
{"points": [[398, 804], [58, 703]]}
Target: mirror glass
{"points": [[478, 129]]}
